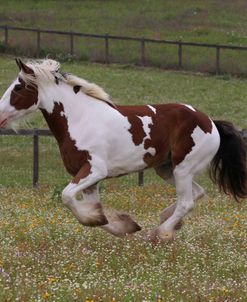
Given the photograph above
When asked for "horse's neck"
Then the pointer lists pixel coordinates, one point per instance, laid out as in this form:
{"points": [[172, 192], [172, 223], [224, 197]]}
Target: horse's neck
{"points": [[64, 110], [56, 121]]}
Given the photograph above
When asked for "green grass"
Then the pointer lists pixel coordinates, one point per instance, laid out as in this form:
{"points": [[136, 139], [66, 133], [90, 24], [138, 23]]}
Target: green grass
{"points": [[205, 21], [211, 21], [46, 255]]}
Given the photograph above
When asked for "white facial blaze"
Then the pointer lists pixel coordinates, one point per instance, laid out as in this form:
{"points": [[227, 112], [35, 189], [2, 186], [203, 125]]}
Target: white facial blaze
{"points": [[8, 113], [5, 100]]}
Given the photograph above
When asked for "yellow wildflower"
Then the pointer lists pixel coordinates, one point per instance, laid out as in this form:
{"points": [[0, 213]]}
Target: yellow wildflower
{"points": [[46, 295]]}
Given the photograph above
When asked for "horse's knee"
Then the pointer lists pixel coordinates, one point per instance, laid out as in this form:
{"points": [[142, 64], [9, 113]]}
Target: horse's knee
{"points": [[66, 197]]}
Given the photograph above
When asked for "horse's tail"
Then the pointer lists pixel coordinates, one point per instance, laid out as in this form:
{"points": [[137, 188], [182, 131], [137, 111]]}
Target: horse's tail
{"points": [[228, 168]]}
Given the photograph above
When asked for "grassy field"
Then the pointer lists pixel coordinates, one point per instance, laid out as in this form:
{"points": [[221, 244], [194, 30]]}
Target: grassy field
{"points": [[220, 22], [46, 255], [205, 21]]}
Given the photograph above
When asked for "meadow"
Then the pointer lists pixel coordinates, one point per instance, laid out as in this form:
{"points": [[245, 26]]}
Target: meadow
{"points": [[46, 255], [202, 21], [217, 22]]}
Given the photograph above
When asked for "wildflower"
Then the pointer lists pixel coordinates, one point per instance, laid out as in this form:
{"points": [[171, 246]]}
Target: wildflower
{"points": [[51, 280], [46, 295], [224, 289], [98, 263], [159, 298]]}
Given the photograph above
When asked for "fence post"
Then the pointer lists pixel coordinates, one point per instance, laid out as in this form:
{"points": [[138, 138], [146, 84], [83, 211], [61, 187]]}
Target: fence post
{"points": [[35, 158], [180, 55], [71, 44], [38, 43], [141, 178], [217, 67], [143, 52], [106, 48], [6, 37]]}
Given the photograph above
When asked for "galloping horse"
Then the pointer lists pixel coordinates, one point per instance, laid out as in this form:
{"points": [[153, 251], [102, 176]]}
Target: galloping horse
{"points": [[98, 139]]}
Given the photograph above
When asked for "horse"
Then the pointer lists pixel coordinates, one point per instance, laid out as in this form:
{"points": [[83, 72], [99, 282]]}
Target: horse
{"points": [[99, 139]]}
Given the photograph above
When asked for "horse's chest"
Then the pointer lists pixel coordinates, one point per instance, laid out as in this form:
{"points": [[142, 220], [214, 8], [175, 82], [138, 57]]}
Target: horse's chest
{"points": [[73, 158]]}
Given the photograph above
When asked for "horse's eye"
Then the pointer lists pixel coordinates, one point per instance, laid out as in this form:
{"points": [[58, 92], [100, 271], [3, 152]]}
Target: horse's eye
{"points": [[17, 87]]}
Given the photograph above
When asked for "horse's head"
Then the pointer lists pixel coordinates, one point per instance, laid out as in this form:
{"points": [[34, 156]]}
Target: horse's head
{"points": [[20, 98]]}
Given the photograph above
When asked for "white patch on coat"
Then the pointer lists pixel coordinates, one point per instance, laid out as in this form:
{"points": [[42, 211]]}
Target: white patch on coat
{"points": [[152, 108], [205, 147], [190, 107], [99, 129], [146, 121]]}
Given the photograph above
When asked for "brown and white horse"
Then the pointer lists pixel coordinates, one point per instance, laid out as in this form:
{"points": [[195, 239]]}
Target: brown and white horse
{"points": [[98, 139]]}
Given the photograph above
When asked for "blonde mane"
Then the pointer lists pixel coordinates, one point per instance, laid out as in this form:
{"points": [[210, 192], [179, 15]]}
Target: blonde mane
{"points": [[49, 70]]}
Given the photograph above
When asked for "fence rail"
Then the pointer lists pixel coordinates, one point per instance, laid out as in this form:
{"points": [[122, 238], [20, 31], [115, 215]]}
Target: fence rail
{"points": [[106, 38], [35, 134]]}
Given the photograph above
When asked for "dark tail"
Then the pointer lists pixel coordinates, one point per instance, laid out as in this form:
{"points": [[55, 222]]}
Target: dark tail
{"points": [[228, 167]]}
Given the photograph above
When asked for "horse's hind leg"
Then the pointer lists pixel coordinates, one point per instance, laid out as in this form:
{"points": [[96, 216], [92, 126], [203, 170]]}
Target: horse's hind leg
{"points": [[186, 165], [166, 172], [174, 214]]}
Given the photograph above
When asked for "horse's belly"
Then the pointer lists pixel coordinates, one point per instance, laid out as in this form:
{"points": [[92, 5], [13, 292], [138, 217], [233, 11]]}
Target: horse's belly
{"points": [[127, 160]]}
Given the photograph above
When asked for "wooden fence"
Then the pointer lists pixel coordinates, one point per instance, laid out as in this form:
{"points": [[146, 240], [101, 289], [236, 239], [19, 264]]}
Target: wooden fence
{"points": [[35, 134], [108, 38]]}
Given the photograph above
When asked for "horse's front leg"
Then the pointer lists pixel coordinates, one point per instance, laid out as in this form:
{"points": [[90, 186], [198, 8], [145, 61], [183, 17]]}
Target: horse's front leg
{"points": [[88, 211]]}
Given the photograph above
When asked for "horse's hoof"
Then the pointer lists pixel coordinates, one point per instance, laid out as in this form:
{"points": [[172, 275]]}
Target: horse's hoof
{"points": [[120, 224], [167, 236], [100, 220], [156, 237], [91, 214]]}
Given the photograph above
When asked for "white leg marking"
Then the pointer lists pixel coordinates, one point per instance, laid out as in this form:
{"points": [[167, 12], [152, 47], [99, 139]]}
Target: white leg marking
{"points": [[206, 146], [89, 211]]}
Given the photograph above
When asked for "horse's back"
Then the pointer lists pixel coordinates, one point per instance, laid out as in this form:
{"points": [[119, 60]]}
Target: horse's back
{"points": [[173, 129]]}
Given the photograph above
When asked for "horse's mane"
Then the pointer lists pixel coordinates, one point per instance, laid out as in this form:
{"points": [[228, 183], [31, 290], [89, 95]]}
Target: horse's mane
{"points": [[49, 70]]}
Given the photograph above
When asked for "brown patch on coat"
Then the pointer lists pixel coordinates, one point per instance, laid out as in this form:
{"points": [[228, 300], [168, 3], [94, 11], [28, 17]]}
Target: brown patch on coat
{"points": [[170, 131], [83, 172], [23, 96], [75, 161], [132, 113]]}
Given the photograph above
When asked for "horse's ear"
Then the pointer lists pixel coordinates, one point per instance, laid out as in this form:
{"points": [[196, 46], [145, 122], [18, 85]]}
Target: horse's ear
{"points": [[18, 63], [24, 67]]}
